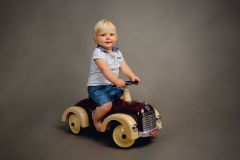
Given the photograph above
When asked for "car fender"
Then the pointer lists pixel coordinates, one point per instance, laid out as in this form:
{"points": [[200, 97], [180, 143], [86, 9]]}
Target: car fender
{"points": [[126, 120], [80, 112]]}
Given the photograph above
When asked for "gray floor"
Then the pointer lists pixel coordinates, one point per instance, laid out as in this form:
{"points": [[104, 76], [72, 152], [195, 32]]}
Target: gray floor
{"points": [[186, 53]]}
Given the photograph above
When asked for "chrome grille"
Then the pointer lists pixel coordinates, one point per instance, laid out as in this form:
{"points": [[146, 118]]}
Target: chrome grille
{"points": [[149, 121]]}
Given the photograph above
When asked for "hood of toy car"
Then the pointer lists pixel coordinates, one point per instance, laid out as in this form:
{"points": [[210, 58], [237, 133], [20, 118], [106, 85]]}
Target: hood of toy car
{"points": [[132, 107]]}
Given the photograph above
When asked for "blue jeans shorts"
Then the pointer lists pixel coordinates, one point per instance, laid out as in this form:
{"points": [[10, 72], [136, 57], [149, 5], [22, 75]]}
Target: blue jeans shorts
{"points": [[104, 93]]}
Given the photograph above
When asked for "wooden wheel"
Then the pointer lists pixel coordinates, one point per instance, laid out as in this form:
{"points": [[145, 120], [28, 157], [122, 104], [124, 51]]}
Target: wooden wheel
{"points": [[120, 137], [74, 123]]}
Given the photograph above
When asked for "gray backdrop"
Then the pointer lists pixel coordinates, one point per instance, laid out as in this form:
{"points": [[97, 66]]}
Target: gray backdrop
{"points": [[185, 51]]}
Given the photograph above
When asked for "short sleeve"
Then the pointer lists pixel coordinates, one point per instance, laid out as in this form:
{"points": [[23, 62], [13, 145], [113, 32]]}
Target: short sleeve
{"points": [[97, 53]]}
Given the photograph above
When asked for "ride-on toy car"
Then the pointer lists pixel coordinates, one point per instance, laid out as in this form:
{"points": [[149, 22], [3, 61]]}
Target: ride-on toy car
{"points": [[131, 119]]}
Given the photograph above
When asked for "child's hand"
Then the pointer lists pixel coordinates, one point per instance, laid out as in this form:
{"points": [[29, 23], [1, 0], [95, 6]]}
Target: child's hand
{"points": [[119, 83], [135, 78]]}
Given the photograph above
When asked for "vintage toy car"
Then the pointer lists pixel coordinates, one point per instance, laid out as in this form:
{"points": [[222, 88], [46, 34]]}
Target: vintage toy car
{"points": [[132, 119]]}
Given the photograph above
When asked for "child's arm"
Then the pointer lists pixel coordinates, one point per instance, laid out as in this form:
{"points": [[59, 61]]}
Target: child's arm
{"points": [[106, 71], [126, 70]]}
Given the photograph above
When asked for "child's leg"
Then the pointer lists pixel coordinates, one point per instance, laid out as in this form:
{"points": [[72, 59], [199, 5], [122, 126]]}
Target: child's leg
{"points": [[99, 113]]}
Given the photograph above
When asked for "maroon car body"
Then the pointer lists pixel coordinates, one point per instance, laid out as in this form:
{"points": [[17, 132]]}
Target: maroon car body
{"points": [[142, 112]]}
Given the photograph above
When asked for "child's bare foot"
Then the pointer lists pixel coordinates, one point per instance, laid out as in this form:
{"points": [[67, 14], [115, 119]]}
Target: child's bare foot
{"points": [[97, 124]]}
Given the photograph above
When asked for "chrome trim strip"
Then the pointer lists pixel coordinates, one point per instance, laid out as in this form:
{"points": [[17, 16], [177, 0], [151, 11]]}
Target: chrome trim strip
{"points": [[146, 133]]}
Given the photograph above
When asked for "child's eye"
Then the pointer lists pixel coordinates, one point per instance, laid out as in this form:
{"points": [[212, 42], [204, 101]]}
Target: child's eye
{"points": [[102, 35], [112, 34]]}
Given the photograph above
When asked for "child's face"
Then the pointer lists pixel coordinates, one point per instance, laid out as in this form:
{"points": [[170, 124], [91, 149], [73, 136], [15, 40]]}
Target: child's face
{"points": [[107, 37]]}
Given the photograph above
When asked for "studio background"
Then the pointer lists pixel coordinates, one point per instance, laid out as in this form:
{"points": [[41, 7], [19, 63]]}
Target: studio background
{"points": [[186, 53]]}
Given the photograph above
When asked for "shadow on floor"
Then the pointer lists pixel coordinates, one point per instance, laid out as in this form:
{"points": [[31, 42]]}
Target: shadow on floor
{"points": [[104, 138]]}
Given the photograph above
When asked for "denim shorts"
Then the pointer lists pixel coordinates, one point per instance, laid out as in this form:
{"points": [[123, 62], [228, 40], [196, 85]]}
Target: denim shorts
{"points": [[104, 93]]}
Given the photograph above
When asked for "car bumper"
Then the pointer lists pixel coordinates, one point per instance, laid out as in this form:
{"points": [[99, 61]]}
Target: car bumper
{"points": [[149, 133]]}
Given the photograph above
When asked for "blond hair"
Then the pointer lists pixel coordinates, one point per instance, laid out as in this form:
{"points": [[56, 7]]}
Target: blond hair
{"points": [[101, 24]]}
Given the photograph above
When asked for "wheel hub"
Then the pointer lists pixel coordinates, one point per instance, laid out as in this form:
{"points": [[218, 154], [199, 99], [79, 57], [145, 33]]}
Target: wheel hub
{"points": [[124, 136]]}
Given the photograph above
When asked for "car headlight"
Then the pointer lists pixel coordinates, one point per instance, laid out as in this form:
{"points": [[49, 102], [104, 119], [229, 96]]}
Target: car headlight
{"points": [[158, 118], [134, 128]]}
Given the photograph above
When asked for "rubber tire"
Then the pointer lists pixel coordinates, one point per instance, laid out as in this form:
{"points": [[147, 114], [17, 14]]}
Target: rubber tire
{"points": [[74, 123], [120, 138]]}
